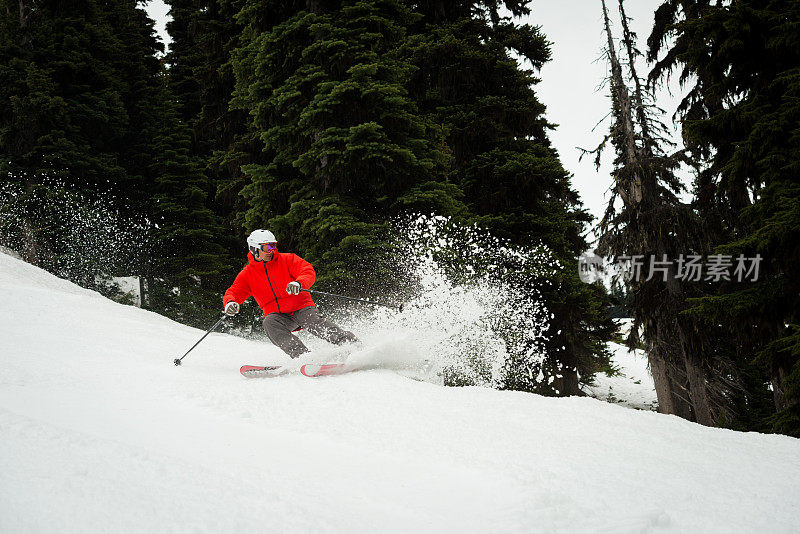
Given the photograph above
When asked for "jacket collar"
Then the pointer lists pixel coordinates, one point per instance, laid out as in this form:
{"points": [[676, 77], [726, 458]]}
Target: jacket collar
{"points": [[251, 259]]}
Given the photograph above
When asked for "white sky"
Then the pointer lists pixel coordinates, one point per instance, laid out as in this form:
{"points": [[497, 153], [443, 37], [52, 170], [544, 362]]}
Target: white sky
{"points": [[570, 82], [158, 10]]}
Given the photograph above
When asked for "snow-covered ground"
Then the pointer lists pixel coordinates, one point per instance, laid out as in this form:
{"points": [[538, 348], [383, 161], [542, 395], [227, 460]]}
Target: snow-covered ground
{"points": [[100, 432], [633, 385]]}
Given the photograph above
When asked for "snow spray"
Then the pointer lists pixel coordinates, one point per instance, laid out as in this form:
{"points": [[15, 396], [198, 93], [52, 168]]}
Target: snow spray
{"points": [[81, 239], [472, 314]]}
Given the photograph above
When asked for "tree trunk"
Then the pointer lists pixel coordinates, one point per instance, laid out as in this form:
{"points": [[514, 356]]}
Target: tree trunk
{"points": [[144, 292], [778, 391], [568, 385], [697, 391], [695, 374], [658, 370], [30, 248], [670, 400]]}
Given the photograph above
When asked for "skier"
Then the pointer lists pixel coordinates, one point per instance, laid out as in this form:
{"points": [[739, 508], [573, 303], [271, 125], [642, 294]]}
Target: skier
{"points": [[276, 280]]}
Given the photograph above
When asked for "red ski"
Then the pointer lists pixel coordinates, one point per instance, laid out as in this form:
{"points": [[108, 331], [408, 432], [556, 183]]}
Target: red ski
{"points": [[314, 369], [254, 371]]}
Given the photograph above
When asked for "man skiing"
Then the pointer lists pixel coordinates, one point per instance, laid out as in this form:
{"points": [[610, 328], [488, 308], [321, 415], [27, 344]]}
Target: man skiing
{"points": [[277, 280]]}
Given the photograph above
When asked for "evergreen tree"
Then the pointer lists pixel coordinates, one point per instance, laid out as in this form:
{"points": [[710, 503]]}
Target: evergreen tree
{"points": [[468, 82], [743, 60], [190, 266], [64, 119], [200, 74], [344, 147], [184, 57], [85, 111], [653, 223], [189, 258], [621, 299]]}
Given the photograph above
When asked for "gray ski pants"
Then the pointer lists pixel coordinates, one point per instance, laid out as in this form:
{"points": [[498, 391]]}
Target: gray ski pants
{"points": [[279, 327]]}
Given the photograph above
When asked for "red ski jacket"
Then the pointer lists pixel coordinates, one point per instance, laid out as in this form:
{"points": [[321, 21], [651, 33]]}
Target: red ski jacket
{"points": [[267, 281]]}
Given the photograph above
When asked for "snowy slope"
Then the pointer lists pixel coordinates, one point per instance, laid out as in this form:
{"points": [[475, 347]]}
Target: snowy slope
{"points": [[100, 432]]}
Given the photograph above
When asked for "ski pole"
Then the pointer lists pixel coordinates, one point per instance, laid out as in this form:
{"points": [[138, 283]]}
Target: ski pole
{"points": [[178, 360], [399, 308]]}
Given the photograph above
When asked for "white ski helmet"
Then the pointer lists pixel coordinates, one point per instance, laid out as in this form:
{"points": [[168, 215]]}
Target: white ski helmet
{"points": [[257, 238]]}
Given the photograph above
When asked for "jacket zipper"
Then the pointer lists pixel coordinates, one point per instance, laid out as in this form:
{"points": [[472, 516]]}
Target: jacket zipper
{"points": [[272, 289]]}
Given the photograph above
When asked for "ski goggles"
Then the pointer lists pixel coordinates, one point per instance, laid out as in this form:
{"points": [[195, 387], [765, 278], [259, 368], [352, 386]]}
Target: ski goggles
{"points": [[268, 247]]}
